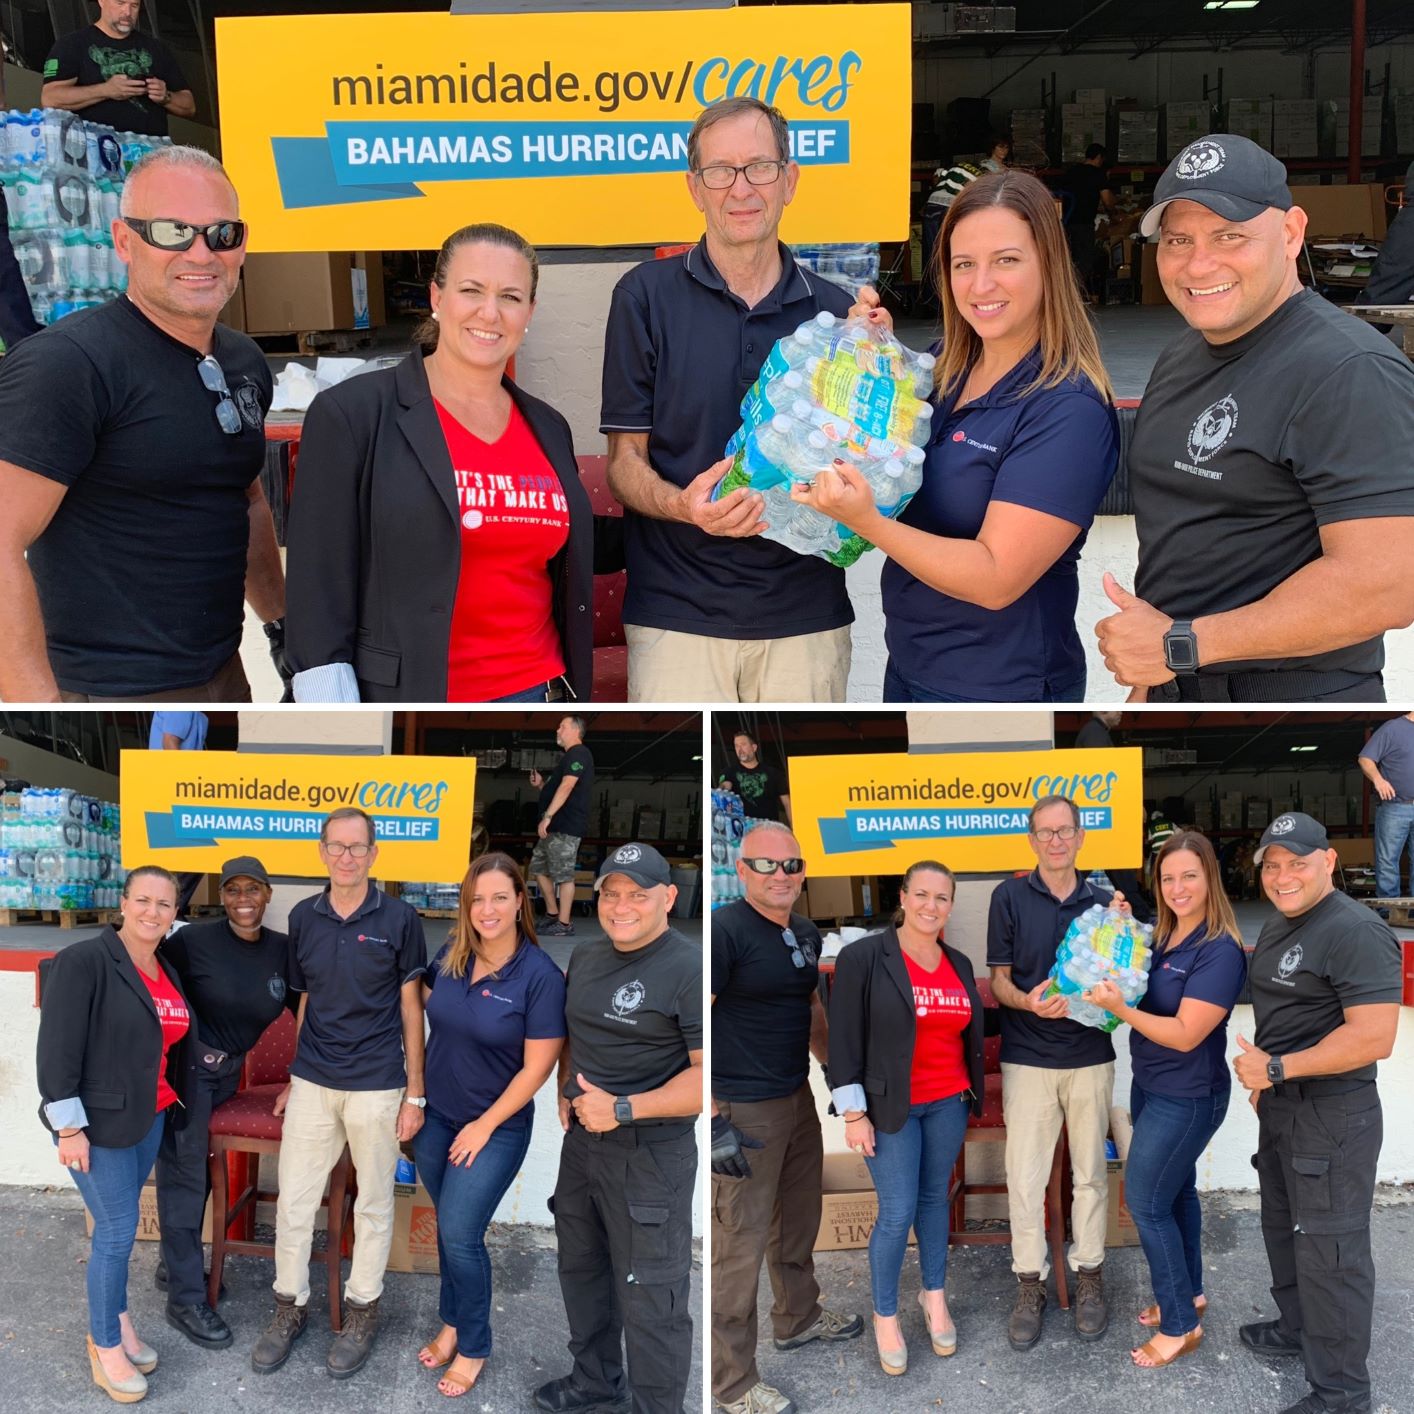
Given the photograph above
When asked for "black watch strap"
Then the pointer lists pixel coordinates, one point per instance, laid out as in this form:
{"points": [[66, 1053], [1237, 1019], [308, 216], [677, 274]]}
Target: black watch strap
{"points": [[1181, 647]]}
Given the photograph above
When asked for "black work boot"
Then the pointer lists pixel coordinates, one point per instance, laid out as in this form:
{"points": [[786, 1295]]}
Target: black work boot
{"points": [[1092, 1315], [278, 1338], [1024, 1328], [200, 1324], [354, 1344]]}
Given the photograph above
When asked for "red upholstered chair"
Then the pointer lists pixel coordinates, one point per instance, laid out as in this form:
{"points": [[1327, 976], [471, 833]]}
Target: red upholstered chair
{"points": [[990, 1128], [610, 643], [245, 1126]]}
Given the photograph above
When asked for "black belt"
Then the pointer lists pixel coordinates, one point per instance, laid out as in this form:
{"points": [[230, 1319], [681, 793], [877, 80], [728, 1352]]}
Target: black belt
{"points": [[644, 1132], [1306, 1089], [1293, 685]]}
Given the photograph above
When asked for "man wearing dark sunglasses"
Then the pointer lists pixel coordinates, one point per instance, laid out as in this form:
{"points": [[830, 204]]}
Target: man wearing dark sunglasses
{"points": [[131, 446], [767, 1152]]}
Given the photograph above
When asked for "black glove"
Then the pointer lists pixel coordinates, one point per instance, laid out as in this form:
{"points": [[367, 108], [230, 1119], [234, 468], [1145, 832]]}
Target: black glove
{"points": [[275, 635], [727, 1145]]}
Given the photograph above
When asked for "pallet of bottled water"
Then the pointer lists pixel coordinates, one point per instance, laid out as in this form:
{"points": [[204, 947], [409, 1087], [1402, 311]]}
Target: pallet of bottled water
{"points": [[851, 265], [59, 849], [832, 390], [62, 179], [1101, 943], [431, 898], [728, 829]]}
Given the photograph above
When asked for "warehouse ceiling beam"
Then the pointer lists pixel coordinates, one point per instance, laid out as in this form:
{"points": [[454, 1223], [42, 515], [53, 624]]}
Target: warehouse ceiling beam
{"points": [[1088, 15]]}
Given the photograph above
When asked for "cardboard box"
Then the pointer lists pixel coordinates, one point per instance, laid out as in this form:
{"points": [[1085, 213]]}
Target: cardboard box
{"points": [[414, 1230], [1151, 289], [841, 898], [1335, 810], [1250, 118], [313, 290], [1090, 96], [1119, 1223], [1354, 853], [850, 1207], [148, 1227], [677, 825], [650, 824], [621, 818], [233, 311], [1344, 210], [1137, 135], [1081, 125], [1183, 122]]}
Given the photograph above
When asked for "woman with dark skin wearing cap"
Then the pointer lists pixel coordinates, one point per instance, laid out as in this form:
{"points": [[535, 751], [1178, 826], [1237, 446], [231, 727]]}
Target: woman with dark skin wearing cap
{"points": [[234, 972]]}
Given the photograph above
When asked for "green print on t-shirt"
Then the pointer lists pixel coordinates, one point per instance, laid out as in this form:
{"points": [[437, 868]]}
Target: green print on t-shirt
{"points": [[131, 63]]}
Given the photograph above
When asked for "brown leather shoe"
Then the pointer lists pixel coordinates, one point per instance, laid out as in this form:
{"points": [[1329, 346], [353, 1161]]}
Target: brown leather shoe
{"points": [[1024, 1328], [1092, 1314], [278, 1338], [354, 1344]]}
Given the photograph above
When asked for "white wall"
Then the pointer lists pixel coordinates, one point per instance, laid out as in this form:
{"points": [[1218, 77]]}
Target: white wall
{"points": [[48, 768]]}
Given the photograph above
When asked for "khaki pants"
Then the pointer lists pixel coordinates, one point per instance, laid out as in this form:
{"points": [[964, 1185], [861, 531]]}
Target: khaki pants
{"points": [[666, 666], [1035, 1101], [318, 1123], [774, 1214]]}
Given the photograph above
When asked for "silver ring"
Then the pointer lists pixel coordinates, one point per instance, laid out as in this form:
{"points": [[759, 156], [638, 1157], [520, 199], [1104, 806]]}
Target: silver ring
{"points": [[74, 1164], [858, 1148]]}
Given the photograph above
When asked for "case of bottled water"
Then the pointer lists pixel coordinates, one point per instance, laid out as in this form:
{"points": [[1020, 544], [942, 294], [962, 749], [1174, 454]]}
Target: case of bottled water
{"points": [[61, 178], [1101, 943], [59, 849], [830, 391], [852, 266]]}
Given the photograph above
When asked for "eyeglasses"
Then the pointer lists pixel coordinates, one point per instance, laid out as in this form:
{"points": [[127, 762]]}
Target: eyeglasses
{"points": [[796, 956], [335, 850], [1066, 832], [719, 177], [166, 233], [254, 891], [769, 866], [214, 381]]}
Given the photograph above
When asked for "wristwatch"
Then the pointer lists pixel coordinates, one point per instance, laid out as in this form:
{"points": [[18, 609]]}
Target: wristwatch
{"points": [[1276, 1072], [623, 1109], [1181, 647], [419, 1100]]}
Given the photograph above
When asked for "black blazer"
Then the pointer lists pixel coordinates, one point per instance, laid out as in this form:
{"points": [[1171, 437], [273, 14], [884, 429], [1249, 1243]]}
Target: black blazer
{"points": [[100, 1040], [872, 1026], [374, 539]]}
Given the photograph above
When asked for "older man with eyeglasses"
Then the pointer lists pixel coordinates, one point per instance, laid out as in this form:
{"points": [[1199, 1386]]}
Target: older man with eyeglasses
{"points": [[131, 444], [356, 958], [767, 1154]]}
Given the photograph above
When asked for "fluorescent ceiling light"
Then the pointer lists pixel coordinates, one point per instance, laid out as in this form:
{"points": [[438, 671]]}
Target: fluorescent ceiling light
{"points": [[1231, 4], [1303, 748]]}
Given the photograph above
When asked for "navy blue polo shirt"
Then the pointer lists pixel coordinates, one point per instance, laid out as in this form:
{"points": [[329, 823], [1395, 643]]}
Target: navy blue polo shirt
{"points": [[1391, 748], [1208, 972], [353, 970], [1025, 925], [1054, 450], [680, 352], [477, 1031]]}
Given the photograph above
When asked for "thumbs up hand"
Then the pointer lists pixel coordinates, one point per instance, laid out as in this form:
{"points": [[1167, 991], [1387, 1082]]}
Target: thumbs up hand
{"points": [[1132, 640], [1251, 1065], [594, 1108]]}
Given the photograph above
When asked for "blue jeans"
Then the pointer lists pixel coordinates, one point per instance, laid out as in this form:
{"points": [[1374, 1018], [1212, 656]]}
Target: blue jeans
{"points": [[897, 688], [539, 693], [1161, 1188], [1394, 829], [912, 1171], [111, 1190], [465, 1196]]}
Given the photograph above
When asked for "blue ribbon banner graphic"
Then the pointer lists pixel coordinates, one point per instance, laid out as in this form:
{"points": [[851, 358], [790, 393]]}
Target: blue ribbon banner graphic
{"points": [[381, 161], [192, 826], [885, 826]]}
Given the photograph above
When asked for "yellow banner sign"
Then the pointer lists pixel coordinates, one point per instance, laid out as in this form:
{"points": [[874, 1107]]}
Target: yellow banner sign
{"points": [[877, 814], [193, 810], [388, 132]]}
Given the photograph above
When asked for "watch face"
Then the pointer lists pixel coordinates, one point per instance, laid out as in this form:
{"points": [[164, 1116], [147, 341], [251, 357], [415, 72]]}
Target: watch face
{"points": [[1180, 653]]}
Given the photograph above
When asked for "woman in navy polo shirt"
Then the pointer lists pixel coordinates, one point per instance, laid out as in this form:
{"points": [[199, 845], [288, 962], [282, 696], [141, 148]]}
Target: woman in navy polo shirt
{"points": [[980, 588], [496, 1018], [1178, 1049]]}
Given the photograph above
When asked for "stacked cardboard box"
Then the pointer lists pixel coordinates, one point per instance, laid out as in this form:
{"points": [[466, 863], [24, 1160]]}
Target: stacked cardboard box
{"points": [[1250, 118], [1295, 129], [1404, 123], [1137, 135], [1182, 123], [851, 1206], [1028, 137], [1334, 120], [1231, 809], [1081, 124], [841, 898]]}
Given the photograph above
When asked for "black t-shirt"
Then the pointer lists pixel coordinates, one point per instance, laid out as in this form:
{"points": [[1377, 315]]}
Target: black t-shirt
{"points": [[1025, 925], [92, 57], [1084, 183], [236, 988], [680, 353], [632, 1017], [141, 572], [1243, 451], [572, 818], [1306, 970], [761, 1015], [760, 788]]}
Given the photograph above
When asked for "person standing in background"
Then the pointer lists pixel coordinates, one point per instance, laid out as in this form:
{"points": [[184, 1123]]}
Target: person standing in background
{"points": [[1387, 760], [564, 805], [763, 789]]}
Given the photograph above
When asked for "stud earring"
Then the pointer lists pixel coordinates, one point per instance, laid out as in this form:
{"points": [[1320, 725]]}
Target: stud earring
{"points": [[436, 314]]}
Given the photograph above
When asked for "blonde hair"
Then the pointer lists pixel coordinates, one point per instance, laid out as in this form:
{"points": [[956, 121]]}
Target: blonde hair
{"points": [[466, 941], [1218, 916], [1069, 346]]}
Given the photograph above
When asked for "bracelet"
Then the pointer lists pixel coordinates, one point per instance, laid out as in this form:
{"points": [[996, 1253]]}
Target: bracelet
{"points": [[72, 1134]]}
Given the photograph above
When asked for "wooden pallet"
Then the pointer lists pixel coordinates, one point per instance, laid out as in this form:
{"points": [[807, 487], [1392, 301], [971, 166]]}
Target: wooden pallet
{"points": [[64, 917], [309, 343], [1400, 911], [437, 912]]}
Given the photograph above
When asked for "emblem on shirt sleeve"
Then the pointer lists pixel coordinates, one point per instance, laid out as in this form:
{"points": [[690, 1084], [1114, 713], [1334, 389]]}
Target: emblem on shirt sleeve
{"points": [[1290, 961], [1213, 427], [247, 398], [628, 998], [276, 987], [1200, 159]]}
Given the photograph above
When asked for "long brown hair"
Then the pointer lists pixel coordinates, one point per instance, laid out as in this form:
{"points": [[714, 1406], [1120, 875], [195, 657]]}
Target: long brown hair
{"points": [[1219, 917], [1067, 338], [466, 941]]}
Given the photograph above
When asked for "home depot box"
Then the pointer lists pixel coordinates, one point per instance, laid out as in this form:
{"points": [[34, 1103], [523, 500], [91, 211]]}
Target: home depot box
{"points": [[414, 1230], [850, 1207], [313, 290], [148, 1227]]}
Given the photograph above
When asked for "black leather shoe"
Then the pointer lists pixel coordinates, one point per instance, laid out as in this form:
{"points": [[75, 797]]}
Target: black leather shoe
{"points": [[159, 1280], [200, 1324], [1266, 1338], [562, 1395]]}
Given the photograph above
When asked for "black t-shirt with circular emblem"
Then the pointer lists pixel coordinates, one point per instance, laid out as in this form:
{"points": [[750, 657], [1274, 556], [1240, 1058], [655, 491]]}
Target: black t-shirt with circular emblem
{"points": [[1244, 451], [1306, 970], [632, 1017], [236, 988]]}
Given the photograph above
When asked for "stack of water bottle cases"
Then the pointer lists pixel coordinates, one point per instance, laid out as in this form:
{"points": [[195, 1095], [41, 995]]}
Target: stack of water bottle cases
{"points": [[728, 826], [440, 897], [59, 849], [830, 391], [62, 178]]}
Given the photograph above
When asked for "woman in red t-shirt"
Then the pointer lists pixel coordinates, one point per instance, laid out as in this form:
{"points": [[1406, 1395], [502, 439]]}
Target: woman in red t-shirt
{"points": [[906, 1027], [112, 1026], [441, 546]]}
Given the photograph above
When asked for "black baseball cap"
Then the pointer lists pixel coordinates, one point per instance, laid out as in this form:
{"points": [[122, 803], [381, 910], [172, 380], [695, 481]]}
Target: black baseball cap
{"points": [[246, 866], [641, 862], [1226, 173], [1299, 833]]}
